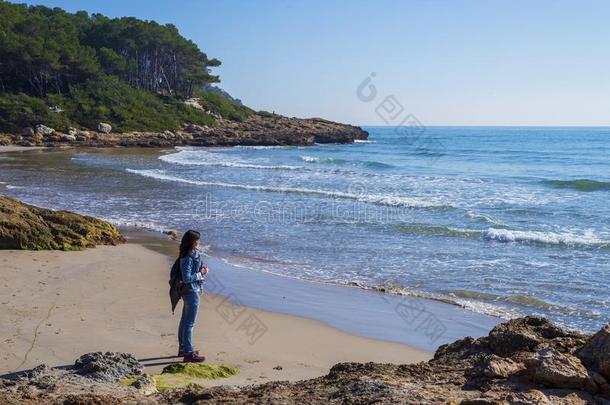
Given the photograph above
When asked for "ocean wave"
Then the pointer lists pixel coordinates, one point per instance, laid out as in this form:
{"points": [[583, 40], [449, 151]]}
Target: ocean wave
{"points": [[584, 185], [588, 239], [394, 201], [481, 217], [328, 160], [316, 159], [363, 141], [502, 306], [188, 158], [519, 299], [474, 305], [566, 239]]}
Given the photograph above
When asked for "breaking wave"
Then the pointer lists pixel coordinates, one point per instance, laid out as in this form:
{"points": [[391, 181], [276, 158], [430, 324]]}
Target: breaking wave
{"points": [[394, 201]]}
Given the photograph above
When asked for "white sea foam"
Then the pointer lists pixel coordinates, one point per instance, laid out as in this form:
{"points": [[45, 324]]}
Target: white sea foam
{"points": [[363, 141], [481, 217], [309, 159], [396, 201], [553, 238], [134, 223], [189, 157], [10, 187], [263, 146]]}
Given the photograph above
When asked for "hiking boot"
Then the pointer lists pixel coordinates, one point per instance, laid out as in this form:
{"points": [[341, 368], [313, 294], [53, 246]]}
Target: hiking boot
{"points": [[182, 354], [193, 357]]}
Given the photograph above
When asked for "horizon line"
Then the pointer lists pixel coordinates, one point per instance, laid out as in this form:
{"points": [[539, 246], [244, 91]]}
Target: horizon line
{"points": [[489, 126]]}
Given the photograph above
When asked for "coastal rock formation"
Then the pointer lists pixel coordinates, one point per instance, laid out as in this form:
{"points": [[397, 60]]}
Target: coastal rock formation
{"points": [[555, 369], [275, 130], [107, 367], [24, 226], [523, 361], [596, 352], [255, 130]]}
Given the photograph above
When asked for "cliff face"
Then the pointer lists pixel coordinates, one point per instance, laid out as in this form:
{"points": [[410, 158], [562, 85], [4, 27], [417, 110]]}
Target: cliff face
{"points": [[255, 130], [523, 361]]}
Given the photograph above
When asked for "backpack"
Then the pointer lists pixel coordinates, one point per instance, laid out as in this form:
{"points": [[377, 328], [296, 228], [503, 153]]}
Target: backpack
{"points": [[175, 284]]}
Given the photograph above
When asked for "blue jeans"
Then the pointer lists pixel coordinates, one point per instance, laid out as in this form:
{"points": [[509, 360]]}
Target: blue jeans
{"points": [[187, 321]]}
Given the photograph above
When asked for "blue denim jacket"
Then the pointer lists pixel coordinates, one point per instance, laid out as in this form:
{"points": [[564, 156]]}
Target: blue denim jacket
{"points": [[189, 267]]}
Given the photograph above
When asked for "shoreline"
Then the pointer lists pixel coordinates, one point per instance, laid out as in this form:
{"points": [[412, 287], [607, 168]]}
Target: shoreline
{"points": [[414, 321]]}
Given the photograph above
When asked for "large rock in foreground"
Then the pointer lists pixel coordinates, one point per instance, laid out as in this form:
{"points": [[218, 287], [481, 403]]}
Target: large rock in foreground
{"points": [[24, 226], [108, 367], [596, 353]]}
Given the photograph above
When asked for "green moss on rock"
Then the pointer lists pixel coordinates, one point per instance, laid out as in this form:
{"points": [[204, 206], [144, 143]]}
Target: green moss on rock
{"points": [[207, 371], [24, 226], [187, 375]]}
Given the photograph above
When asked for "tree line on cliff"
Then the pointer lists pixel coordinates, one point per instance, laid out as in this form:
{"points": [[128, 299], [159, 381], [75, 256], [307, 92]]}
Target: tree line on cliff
{"points": [[131, 73]]}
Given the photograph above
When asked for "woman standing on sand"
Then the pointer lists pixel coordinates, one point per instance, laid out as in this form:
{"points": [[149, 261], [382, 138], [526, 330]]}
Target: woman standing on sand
{"points": [[192, 271]]}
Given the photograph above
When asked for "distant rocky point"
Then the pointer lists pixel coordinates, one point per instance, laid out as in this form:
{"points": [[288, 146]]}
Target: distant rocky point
{"points": [[24, 226], [263, 130], [523, 361]]}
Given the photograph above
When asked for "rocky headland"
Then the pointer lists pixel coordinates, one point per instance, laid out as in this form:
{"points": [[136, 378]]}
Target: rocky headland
{"points": [[24, 226], [523, 361], [256, 130]]}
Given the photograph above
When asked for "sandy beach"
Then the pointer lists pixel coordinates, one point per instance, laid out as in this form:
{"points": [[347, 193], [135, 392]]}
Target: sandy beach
{"points": [[58, 305]]}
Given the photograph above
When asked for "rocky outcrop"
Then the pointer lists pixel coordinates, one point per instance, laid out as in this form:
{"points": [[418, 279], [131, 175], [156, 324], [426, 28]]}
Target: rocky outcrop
{"points": [[255, 130], [596, 352], [524, 361], [558, 370], [275, 130], [24, 226], [107, 367]]}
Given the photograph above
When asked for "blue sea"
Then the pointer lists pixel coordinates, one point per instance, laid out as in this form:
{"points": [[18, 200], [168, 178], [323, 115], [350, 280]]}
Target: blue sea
{"points": [[504, 221]]}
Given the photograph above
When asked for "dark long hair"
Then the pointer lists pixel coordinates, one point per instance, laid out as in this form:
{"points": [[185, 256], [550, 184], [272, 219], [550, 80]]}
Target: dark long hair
{"points": [[187, 245]]}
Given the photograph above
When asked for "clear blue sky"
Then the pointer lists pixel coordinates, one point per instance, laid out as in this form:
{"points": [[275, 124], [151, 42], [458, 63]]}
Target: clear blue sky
{"points": [[447, 62]]}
